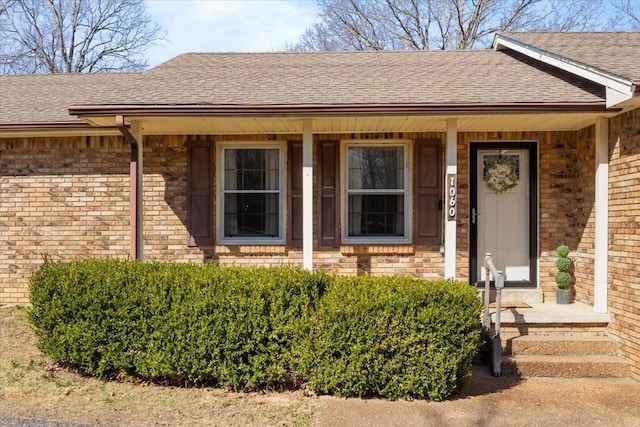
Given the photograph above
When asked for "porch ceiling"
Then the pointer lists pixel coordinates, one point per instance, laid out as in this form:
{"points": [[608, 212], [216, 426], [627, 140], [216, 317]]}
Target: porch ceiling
{"points": [[356, 124]]}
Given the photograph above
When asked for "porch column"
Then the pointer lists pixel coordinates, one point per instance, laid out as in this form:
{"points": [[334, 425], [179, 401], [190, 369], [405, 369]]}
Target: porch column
{"points": [[601, 254], [307, 195], [451, 200]]}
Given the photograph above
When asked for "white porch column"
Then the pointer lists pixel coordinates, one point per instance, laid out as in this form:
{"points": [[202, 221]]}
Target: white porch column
{"points": [[450, 221], [601, 254], [307, 195]]}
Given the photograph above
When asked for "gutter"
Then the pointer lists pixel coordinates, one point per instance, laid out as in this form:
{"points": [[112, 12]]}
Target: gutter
{"points": [[45, 126], [317, 110]]}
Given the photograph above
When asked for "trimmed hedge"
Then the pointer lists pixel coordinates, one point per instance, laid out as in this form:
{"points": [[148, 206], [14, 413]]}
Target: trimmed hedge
{"points": [[392, 337], [261, 327]]}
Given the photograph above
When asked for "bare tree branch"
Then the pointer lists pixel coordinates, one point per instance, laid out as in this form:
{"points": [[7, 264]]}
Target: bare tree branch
{"points": [[453, 24], [630, 15], [74, 36]]}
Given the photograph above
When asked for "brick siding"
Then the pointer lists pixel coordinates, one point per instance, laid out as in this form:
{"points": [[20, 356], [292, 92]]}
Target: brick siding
{"points": [[65, 198], [624, 234], [92, 174]]}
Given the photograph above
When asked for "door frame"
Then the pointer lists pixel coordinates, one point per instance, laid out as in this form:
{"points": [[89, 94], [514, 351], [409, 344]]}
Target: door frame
{"points": [[532, 146]]}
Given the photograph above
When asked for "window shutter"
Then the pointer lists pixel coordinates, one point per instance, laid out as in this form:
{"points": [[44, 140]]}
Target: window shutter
{"points": [[200, 193], [328, 193], [428, 205], [294, 156]]}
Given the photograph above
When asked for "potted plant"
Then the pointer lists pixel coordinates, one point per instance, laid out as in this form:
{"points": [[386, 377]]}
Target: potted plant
{"points": [[563, 276]]}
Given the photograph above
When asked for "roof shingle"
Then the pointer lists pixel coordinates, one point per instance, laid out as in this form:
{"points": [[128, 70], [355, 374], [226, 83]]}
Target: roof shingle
{"points": [[617, 53], [319, 78]]}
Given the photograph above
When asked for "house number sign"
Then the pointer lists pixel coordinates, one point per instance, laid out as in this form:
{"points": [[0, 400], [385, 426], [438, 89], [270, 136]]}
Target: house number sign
{"points": [[451, 197]]}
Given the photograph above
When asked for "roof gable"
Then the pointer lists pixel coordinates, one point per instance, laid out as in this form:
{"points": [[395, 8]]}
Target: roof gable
{"points": [[621, 49], [609, 59]]}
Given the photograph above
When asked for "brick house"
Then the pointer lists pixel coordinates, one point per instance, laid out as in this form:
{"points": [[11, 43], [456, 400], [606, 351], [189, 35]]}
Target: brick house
{"points": [[360, 162]]}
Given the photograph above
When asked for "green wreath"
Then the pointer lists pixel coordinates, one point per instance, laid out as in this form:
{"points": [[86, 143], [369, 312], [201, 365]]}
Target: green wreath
{"points": [[500, 175]]}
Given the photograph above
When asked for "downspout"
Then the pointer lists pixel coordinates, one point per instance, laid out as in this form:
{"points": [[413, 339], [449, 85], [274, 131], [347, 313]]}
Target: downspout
{"points": [[135, 190]]}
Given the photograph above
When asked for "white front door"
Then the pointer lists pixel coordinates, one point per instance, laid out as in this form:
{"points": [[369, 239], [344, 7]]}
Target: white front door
{"points": [[502, 212]]}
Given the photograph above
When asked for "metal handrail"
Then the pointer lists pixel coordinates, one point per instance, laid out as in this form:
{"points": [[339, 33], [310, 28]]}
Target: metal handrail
{"points": [[498, 276]]}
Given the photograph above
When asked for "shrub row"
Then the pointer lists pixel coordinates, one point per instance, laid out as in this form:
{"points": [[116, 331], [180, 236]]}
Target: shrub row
{"points": [[260, 327]]}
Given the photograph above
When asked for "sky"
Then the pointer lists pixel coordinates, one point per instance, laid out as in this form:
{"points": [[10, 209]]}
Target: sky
{"points": [[227, 25]]}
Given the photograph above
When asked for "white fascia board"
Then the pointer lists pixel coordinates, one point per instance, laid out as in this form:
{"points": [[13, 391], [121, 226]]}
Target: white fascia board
{"points": [[614, 98], [621, 89]]}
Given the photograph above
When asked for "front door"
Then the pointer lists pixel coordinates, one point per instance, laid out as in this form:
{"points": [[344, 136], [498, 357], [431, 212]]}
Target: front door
{"points": [[503, 210]]}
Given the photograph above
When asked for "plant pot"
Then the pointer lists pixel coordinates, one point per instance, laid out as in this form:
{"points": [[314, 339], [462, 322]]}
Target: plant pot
{"points": [[563, 296]]}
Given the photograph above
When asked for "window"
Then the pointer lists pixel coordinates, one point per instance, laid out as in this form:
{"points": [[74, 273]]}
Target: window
{"points": [[376, 193], [251, 194]]}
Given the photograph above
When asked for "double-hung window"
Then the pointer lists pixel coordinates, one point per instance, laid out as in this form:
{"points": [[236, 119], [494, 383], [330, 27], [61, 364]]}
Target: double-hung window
{"points": [[251, 205], [376, 192]]}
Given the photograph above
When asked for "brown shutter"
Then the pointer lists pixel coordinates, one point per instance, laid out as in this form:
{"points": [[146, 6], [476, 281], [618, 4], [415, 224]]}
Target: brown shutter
{"points": [[200, 193], [428, 205], [328, 193], [294, 156]]}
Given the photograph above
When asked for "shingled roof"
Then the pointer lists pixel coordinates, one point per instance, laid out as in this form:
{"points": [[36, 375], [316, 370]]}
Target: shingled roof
{"points": [[382, 78], [345, 78], [622, 49], [47, 97]]}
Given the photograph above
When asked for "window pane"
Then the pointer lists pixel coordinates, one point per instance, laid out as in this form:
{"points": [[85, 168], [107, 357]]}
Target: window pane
{"points": [[251, 169], [376, 215], [376, 168], [251, 215]]}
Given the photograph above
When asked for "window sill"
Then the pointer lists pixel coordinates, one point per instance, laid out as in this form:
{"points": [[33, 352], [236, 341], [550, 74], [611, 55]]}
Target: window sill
{"points": [[248, 249], [368, 249]]}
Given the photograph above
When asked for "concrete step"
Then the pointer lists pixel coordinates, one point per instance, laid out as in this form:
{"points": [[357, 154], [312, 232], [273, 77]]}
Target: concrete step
{"points": [[550, 314], [560, 345], [593, 366]]}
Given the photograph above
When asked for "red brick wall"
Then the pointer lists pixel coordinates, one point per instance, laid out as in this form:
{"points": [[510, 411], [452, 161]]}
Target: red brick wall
{"points": [[63, 197], [624, 234], [69, 198], [583, 255], [95, 171]]}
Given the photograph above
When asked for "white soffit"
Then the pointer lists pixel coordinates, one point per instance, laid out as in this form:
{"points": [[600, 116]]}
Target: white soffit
{"points": [[619, 89], [360, 124]]}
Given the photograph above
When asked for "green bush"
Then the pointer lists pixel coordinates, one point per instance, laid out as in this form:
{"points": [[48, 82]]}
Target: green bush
{"points": [[261, 327], [180, 323], [392, 337]]}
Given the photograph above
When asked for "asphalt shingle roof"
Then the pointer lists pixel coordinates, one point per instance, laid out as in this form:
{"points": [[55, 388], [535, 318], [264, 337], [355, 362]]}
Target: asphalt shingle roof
{"points": [[319, 78], [47, 97], [342, 78], [617, 53]]}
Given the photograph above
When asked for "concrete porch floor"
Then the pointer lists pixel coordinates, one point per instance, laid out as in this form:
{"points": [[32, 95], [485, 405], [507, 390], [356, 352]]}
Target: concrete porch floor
{"points": [[549, 313]]}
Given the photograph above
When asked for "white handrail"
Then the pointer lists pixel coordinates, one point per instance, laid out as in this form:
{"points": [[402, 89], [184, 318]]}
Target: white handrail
{"points": [[498, 275]]}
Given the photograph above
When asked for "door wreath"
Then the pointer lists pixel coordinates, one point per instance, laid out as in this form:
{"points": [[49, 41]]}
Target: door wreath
{"points": [[500, 174]]}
